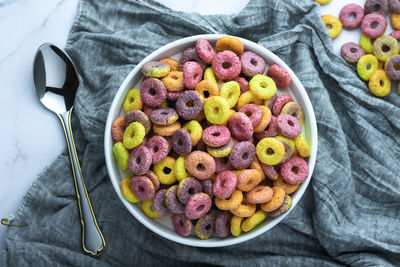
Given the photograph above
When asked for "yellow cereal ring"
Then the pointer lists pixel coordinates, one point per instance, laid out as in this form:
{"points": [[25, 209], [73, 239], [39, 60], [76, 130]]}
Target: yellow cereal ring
{"points": [[333, 25], [126, 190], [223, 151], [244, 210], [207, 89], [253, 220], [289, 188], [247, 98], [270, 151], [121, 155], [366, 44], [164, 104], [229, 43], [168, 130], [265, 119], [366, 65], [133, 135], [398, 89], [322, 2], [216, 109], [247, 180], [219, 80], [255, 164], [302, 146], [165, 171], [174, 81], [200, 117], [179, 169], [262, 87], [230, 203], [195, 130], [132, 101], [231, 92], [379, 83], [236, 223], [148, 209], [210, 76], [276, 201]]}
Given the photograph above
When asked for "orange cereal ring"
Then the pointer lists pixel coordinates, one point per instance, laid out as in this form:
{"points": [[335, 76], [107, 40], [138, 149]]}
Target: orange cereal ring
{"points": [[248, 179], [168, 130], [265, 119], [200, 165], [174, 81], [207, 88], [173, 63], [229, 43], [260, 194], [244, 210], [230, 203], [236, 223], [255, 164], [289, 188], [395, 20], [277, 200]]}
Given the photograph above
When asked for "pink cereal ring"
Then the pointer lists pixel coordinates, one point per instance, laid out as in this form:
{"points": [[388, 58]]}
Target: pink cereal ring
{"points": [[280, 76], [252, 64], [270, 171], [279, 103], [222, 164], [241, 126], [197, 206], [243, 83], [192, 73], [205, 51], [224, 184], [370, 21], [226, 65], [270, 131], [159, 148], [347, 12], [288, 126], [395, 35], [118, 128], [142, 187], [260, 194], [216, 135], [295, 170], [254, 113]]}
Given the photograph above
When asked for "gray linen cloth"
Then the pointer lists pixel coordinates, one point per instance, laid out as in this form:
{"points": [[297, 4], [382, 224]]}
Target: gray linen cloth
{"points": [[350, 214]]}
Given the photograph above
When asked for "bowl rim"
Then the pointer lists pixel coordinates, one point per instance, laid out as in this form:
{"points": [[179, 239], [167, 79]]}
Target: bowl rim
{"points": [[175, 237]]}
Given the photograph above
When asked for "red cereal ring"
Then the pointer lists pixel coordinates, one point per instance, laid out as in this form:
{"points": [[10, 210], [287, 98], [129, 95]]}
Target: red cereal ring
{"points": [[192, 74], [224, 184], [241, 126], [142, 187], [226, 65], [205, 51], [295, 170], [159, 148], [288, 126], [216, 135], [197, 206], [279, 103], [252, 64], [254, 113], [243, 83], [280, 76]]}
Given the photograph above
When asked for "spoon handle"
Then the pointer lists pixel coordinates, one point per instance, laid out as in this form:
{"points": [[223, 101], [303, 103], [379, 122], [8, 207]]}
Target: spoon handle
{"points": [[93, 241]]}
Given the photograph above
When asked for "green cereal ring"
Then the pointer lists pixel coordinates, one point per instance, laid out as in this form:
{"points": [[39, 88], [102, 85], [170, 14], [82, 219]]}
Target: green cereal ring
{"points": [[148, 209], [209, 75], [379, 83], [126, 190], [231, 92], [302, 146], [236, 223], [216, 110], [366, 44], [262, 87], [253, 220], [384, 47], [366, 65], [195, 130], [270, 151], [133, 135], [133, 101], [121, 154], [164, 171], [179, 169]]}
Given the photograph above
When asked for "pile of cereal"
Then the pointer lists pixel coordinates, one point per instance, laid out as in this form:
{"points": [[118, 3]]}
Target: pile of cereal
{"points": [[377, 55], [195, 133]]}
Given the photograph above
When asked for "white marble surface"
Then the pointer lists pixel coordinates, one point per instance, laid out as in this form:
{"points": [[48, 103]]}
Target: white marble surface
{"points": [[30, 135]]}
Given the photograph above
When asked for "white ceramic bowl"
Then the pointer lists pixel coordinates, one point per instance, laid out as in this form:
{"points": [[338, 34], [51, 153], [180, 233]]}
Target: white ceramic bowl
{"points": [[164, 226]]}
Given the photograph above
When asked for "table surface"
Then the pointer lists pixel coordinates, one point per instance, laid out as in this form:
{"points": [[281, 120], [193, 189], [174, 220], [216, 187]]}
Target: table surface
{"points": [[31, 137]]}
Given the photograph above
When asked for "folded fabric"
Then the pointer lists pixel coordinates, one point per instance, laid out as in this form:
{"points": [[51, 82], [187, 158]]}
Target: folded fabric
{"points": [[348, 216]]}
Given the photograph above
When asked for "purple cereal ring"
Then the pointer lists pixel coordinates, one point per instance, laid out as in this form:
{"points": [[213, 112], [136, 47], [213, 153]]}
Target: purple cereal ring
{"points": [[376, 6], [158, 203], [189, 105], [270, 131], [373, 25], [254, 113], [147, 109], [288, 126], [208, 187], [270, 171], [159, 148], [192, 73], [205, 51], [139, 116], [181, 142], [201, 146], [222, 164], [182, 225], [216, 135], [391, 71], [242, 155], [173, 96], [241, 126], [243, 83], [140, 160], [270, 102], [280, 76], [163, 116], [142, 187], [190, 54], [226, 65], [187, 188], [172, 202], [295, 170], [197, 206], [394, 6], [223, 224], [351, 52], [154, 179], [153, 92], [351, 16], [118, 128], [279, 103], [224, 184], [252, 64], [205, 226]]}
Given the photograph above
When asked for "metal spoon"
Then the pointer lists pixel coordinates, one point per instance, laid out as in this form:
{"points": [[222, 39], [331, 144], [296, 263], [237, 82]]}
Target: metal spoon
{"points": [[56, 84]]}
